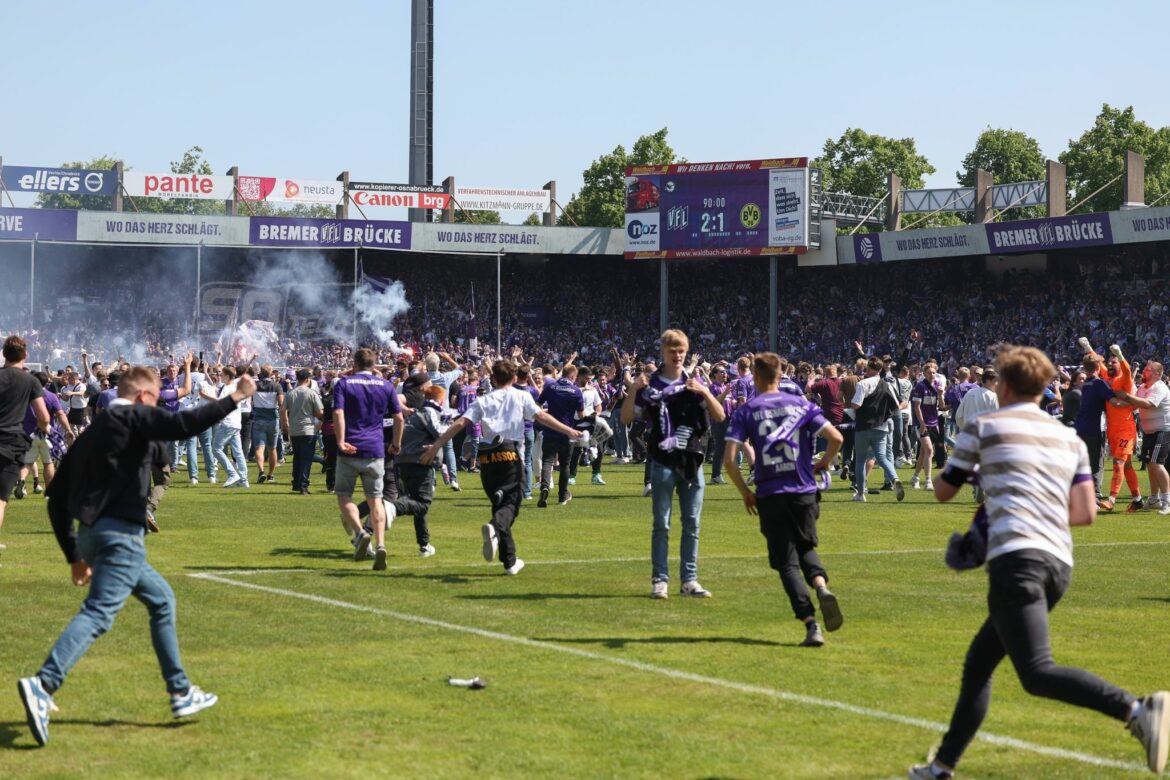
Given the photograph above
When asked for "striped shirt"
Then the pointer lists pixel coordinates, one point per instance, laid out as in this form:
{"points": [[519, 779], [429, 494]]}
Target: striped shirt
{"points": [[1027, 463]]}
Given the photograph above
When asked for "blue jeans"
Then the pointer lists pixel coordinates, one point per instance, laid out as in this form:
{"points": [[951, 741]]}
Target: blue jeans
{"points": [[529, 443], [449, 459], [876, 439], [664, 483], [209, 464], [302, 452], [621, 436], [116, 552], [230, 437]]}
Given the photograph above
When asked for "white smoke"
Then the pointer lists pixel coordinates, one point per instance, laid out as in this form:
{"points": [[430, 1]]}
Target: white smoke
{"points": [[377, 310]]}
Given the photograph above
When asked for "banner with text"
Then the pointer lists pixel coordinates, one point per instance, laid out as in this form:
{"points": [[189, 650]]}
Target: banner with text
{"points": [[515, 239], [276, 189], [1042, 235], [161, 228], [1137, 225], [328, 233], [410, 196], [502, 199], [177, 185], [70, 181], [41, 224]]}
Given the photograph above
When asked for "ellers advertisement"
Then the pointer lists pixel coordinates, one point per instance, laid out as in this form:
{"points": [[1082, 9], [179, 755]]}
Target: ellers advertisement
{"points": [[724, 209], [72, 181], [177, 185], [276, 189]]}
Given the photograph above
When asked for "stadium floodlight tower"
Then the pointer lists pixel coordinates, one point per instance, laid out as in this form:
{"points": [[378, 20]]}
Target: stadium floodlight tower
{"points": [[422, 67]]}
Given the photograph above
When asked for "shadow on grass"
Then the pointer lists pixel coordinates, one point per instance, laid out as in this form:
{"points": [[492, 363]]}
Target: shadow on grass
{"points": [[619, 642], [546, 596], [315, 553], [11, 731], [446, 579]]}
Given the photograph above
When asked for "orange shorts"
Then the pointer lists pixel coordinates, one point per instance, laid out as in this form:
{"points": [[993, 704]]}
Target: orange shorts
{"points": [[1121, 447]]}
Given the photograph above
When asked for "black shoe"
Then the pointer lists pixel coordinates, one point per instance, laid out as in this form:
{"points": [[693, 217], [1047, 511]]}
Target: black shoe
{"points": [[20, 490], [888, 486], [812, 635], [830, 610], [543, 502], [270, 479], [566, 498], [260, 480], [304, 491]]}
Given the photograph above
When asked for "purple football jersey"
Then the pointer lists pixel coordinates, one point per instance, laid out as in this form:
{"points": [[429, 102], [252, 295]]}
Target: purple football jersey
{"points": [[52, 403], [782, 428], [366, 400], [928, 394], [563, 400]]}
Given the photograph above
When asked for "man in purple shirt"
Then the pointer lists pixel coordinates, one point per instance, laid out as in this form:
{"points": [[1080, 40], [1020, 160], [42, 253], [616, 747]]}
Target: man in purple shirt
{"points": [[784, 428], [563, 400], [361, 400], [46, 446], [721, 389], [925, 401]]}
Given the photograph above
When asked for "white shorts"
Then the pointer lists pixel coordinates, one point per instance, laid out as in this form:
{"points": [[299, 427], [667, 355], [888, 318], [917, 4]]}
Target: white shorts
{"points": [[38, 452]]}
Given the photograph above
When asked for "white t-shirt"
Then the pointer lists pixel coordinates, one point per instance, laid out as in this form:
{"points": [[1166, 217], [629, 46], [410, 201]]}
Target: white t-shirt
{"points": [[76, 401], [592, 399], [502, 413], [1157, 419], [233, 419]]}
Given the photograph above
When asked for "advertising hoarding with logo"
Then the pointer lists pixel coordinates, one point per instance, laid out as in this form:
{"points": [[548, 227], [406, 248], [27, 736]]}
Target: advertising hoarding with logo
{"points": [[751, 207], [277, 189], [290, 231], [502, 199], [410, 196], [177, 185], [71, 181]]}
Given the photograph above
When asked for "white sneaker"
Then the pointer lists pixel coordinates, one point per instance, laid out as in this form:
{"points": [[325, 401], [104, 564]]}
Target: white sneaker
{"points": [[1151, 726], [231, 483], [858, 497], [658, 590], [929, 485], [1165, 510], [491, 542], [390, 511], [693, 588], [914, 483], [380, 558], [195, 700], [213, 480], [646, 490], [515, 568], [194, 481], [426, 552]]}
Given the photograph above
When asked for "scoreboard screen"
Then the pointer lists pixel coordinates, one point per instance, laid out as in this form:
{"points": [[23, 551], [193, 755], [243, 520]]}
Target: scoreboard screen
{"points": [[753, 207]]}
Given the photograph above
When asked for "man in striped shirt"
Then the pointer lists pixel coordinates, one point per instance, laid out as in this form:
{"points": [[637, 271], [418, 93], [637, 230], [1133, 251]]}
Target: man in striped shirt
{"points": [[1038, 483]]}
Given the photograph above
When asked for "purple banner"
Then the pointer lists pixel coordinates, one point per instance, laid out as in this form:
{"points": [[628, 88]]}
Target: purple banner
{"points": [[1039, 235], [867, 247], [45, 224], [287, 231]]}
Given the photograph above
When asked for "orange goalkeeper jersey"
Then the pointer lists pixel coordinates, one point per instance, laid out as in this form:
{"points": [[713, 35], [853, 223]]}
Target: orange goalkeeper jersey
{"points": [[1119, 422]]}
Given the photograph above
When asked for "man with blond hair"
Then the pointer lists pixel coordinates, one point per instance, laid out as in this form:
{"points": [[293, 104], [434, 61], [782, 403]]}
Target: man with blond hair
{"points": [[1036, 476], [678, 410]]}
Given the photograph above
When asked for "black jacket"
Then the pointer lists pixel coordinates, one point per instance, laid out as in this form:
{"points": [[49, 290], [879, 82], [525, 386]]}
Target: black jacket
{"points": [[107, 470]]}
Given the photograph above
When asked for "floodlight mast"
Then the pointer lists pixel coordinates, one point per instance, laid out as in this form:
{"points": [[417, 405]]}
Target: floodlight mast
{"points": [[422, 68]]}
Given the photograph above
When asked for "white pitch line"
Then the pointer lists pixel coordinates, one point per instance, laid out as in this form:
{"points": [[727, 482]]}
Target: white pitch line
{"points": [[786, 696]]}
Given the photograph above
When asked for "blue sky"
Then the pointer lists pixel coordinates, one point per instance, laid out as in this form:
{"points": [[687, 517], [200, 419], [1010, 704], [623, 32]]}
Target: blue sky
{"points": [[531, 91]]}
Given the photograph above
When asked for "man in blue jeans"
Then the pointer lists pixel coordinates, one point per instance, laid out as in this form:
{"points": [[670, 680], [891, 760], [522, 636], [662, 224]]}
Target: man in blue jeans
{"points": [[103, 482], [677, 410]]}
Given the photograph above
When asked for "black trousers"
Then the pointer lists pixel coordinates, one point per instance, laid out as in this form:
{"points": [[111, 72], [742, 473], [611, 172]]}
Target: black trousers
{"points": [[417, 484], [501, 470], [329, 447], [1023, 587], [788, 522], [552, 448], [578, 452]]}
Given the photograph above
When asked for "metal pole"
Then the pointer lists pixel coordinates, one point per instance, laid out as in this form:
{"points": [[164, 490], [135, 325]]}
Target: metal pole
{"points": [[499, 256], [663, 289], [32, 278], [198, 283], [353, 297], [773, 304]]}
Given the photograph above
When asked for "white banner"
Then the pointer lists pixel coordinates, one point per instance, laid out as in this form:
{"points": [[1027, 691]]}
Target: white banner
{"points": [[515, 239], [161, 228], [502, 199], [788, 207], [177, 185], [276, 189]]}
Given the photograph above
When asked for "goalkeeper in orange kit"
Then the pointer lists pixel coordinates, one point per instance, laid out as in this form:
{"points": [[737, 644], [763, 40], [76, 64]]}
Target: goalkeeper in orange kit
{"points": [[1120, 427]]}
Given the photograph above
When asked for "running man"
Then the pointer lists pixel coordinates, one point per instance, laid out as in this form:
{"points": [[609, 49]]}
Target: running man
{"points": [[1036, 476], [784, 428]]}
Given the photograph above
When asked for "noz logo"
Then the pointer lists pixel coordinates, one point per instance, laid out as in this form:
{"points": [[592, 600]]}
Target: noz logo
{"points": [[637, 229], [678, 217]]}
